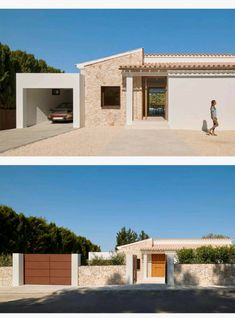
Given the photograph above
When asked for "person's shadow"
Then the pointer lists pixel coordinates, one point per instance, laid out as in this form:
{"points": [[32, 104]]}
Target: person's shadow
{"points": [[204, 126]]}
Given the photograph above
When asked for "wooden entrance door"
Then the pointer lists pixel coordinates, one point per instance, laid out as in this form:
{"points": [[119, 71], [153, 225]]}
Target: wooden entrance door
{"points": [[158, 265], [47, 269]]}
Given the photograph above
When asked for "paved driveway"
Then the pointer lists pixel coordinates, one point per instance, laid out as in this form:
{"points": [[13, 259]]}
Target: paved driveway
{"points": [[118, 300], [13, 138], [117, 141]]}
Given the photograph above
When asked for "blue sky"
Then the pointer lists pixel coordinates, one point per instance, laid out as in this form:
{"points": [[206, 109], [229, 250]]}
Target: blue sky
{"points": [[96, 201], [66, 37]]}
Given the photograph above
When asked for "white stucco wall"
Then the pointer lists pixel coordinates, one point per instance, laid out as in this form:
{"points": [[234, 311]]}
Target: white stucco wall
{"points": [[39, 102], [189, 100], [27, 81], [104, 255], [189, 58]]}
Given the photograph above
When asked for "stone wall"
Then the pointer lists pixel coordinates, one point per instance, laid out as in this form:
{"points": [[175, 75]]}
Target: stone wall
{"points": [[101, 275], [5, 276], [107, 73], [204, 274], [135, 249]]}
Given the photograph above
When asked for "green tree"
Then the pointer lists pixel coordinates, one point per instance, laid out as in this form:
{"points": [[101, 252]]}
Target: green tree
{"points": [[143, 236], [207, 255], [22, 234], [186, 256], [127, 236], [12, 62], [214, 236]]}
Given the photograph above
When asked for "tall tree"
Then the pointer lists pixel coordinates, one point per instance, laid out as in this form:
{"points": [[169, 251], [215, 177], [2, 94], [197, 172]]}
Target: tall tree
{"points": [[22, 234], [12, 62], [127, 236], [212, 235], [143, 236]]}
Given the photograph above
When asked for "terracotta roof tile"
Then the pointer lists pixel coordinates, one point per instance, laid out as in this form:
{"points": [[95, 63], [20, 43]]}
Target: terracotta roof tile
{"points": [[190, 55], [175, 247], [180, 66]]}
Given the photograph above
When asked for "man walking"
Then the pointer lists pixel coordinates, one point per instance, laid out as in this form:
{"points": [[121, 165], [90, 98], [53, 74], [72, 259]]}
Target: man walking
{"points": [[214, 118]]}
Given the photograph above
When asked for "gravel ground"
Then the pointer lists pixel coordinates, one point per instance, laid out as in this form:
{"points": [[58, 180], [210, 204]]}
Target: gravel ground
{"points": [[121, 141]]}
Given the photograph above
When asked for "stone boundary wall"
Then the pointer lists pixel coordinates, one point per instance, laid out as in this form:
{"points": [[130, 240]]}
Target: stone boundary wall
{"points": [[101, 275], [204, 274], [6, 276]]}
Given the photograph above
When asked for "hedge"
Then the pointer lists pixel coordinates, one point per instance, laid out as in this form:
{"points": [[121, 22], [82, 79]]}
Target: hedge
{"points": [[207, 255], [116, 259], [5, 260]]}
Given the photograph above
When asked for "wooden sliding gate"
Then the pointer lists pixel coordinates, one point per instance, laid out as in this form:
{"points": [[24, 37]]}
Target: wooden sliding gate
{"points": [[47, 269]]}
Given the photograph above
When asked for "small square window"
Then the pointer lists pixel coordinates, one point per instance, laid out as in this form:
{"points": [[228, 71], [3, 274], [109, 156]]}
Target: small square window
{"points": [[110, 96], [56, 91]]}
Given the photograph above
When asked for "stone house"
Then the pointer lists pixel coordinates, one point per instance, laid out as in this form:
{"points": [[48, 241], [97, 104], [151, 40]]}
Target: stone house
{"points": [[152, 260], [136, 89]]}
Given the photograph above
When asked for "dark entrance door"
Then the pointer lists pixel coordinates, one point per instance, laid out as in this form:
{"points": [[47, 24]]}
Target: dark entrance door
{"points": [[156, 102]]}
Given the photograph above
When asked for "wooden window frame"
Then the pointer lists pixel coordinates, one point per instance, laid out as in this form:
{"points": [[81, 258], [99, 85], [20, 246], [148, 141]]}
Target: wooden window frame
{"points": [[102, 98]]}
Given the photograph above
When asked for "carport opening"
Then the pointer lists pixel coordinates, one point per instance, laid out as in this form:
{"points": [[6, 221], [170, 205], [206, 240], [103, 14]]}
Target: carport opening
{"points": [[39, 103]]}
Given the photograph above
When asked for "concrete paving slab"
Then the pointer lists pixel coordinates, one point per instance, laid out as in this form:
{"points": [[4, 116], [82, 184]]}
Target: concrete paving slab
{"points": [[14, 138], [147, 142], [122, 141]]}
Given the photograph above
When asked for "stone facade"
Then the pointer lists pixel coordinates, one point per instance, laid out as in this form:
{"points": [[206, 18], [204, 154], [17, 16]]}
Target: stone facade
{"points": [[6, 276], [204, 274], [101, 275], [107, 73], [135, 249]]}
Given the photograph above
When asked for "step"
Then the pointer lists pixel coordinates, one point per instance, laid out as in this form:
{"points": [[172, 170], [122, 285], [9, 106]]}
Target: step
{"points": [[148, 124]]}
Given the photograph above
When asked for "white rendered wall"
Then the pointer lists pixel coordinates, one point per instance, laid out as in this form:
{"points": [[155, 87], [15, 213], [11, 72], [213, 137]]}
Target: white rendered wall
{"points": [[18, 269], [75, 263], [39, 102], [188, 59], [189, 100], [129, 100], [170, 269], [104, 255], [26, 81], [129, 269]]}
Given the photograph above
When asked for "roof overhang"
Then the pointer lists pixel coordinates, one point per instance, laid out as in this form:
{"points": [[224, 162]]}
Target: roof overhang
{"points": [[82, 65], [156, 67], [135, 243]]}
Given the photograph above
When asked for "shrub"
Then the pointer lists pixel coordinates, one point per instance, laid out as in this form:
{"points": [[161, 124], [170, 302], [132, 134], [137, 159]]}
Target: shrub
{"points": [[207, 255], [185, 255], [5, 260], [116, 259]]}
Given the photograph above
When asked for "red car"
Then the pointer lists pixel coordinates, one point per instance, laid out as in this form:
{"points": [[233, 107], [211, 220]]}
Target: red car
{"points": [[63, 112]]}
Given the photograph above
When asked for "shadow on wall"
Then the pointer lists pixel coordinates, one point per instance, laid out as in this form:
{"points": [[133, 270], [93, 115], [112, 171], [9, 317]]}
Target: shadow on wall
{"points": [[115, 279], [204, 126], [186, 278], [224, 274]]}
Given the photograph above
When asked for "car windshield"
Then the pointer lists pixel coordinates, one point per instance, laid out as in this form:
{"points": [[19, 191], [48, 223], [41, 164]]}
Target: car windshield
{"points": [[65, 106]]}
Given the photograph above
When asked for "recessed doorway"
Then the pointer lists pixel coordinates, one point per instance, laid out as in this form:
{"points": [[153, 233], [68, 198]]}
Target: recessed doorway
{"points": [[156, 102], [155, 97]]}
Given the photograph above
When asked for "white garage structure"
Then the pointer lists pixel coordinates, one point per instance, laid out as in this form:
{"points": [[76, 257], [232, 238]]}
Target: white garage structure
{"points": [[35, 96]]}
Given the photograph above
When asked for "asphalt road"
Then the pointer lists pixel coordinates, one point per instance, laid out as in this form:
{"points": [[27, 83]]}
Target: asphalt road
{"points": [[83, 300]]}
